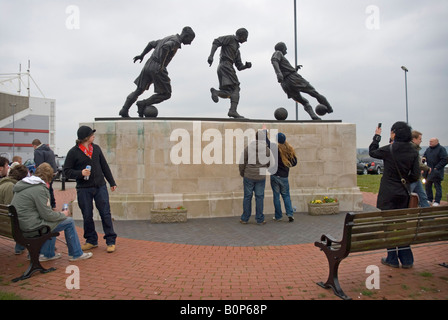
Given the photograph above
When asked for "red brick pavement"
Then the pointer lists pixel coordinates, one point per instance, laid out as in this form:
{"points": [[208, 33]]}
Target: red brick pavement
{"points": [[152, 270]]}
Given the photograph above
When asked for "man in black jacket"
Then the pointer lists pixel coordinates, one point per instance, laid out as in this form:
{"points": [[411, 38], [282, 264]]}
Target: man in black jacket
{"points": [[436, 159], [43, 153], [91, 186]]}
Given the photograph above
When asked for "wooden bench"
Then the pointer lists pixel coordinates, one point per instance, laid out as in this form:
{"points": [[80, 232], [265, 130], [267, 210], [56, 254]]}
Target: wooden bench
{"points": [[9, 228], [381, 230]]}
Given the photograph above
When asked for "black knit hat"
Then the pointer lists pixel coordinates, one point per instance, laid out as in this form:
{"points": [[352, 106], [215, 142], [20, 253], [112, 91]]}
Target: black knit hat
{"points": [[84, 132]]}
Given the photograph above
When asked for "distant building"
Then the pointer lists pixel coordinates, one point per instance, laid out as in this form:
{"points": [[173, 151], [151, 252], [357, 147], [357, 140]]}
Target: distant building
{"points": [[23, 119]]}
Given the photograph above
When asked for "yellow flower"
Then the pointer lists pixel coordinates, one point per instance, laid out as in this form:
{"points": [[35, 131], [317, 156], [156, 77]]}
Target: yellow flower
{"points": [[325, 200]]}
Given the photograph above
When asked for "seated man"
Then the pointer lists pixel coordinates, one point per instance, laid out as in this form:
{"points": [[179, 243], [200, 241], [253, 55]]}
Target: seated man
{"points": [[32, 202]]}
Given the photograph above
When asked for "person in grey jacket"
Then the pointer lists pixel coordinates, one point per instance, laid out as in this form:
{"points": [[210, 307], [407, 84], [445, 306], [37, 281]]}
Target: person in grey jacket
{"points": [[32, 202], [436, 159], [253, 167]]}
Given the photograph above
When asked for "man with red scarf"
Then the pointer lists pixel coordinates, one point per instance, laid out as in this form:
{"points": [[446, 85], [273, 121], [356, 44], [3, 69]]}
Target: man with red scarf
{"points": [[91, 186]]}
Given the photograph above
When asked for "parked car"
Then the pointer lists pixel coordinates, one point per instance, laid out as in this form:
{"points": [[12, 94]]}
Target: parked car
{"points": [[30, 165], [361, 167], [375, 166]]}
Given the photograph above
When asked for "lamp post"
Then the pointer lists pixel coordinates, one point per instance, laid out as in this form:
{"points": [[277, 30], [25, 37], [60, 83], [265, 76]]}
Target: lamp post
{"points": [[406, 89]]}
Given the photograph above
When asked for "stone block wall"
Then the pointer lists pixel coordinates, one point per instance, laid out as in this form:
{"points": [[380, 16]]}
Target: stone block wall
{"points": [[144, 156]]}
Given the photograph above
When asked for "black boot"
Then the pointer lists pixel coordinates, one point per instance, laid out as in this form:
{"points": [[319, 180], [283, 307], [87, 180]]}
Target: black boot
{"points": [[309, 109], [215, 96], [124, 112], [141, 108], [232, 112]]}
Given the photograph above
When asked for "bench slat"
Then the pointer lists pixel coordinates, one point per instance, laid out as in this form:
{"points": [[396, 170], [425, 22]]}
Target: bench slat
{"points": [[399, 212], [399, 241], [399, 233], [412, 225], [397, 218]]}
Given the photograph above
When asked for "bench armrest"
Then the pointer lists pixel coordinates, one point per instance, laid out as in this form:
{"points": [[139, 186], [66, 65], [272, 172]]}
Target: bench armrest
{"points": [[42, 230], [329, 240]]}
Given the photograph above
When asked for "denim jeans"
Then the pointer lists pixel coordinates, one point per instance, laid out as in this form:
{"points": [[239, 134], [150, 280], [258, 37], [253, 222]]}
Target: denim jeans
{"points": [[71, 237], [86, 196], [251, 187], [417, 187], [19, 248], [404, 254], [280, 186], [438, 186]]}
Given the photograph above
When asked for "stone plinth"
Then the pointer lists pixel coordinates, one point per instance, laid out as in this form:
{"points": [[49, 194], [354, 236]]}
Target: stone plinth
{"points": [[193, 163]]}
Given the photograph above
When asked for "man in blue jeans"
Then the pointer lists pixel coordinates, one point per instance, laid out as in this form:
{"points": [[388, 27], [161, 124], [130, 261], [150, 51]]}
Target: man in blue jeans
{"points": [[253, 168], [279, 178], [86, 163]]}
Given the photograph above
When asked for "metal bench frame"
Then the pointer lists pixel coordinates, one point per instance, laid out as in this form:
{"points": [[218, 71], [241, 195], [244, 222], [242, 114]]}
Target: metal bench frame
{"points": [[10, 228]]}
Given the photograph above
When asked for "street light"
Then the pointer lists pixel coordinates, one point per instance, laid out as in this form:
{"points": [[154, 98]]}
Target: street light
{"points": [[406, 89]]}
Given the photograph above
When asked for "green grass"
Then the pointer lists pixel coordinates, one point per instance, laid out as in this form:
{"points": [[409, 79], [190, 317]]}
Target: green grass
{"points": [[371, 183], [9, 296]]}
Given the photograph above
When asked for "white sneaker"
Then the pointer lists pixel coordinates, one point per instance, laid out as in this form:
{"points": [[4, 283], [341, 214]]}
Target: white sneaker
{"points": [[44, 258], [84, 256], [436, 204]]}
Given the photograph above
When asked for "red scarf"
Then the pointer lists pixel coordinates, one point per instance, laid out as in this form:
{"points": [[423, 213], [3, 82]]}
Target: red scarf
{"points": [[87, 151]]}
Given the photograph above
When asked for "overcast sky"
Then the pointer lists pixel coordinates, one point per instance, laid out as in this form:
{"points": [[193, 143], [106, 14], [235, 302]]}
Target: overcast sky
{"points": [[351, 50]]}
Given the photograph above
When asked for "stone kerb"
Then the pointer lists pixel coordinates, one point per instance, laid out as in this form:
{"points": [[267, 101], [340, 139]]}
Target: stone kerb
{"points": [[207, 182]]}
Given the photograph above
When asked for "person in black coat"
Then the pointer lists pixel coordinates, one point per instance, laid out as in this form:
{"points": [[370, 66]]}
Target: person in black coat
{"points": [[43, 153], [436, 159], [393, 193], [91, 186]]}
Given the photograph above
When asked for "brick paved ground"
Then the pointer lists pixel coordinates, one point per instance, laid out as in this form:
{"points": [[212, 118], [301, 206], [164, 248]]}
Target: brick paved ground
{"points": [[144, 269]]}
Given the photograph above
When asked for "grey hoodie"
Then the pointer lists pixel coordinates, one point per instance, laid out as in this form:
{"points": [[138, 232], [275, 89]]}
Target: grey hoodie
{"points": [[255, 160], [32, 202]]}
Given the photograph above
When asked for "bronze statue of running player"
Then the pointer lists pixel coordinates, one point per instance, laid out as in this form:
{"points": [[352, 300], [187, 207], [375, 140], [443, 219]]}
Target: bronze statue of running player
{"points": [[229, 85], [293, 83], [155, 72]]}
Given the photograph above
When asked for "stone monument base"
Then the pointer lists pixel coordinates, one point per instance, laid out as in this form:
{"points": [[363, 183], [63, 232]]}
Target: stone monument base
{"points": [[193, 163]]}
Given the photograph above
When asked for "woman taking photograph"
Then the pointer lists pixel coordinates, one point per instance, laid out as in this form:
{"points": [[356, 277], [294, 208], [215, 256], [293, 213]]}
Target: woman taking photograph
{"points": [[393, 193]]}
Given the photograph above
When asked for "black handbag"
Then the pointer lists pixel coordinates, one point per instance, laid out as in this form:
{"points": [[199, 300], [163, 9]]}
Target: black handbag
{"points": [[413, 197]]}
